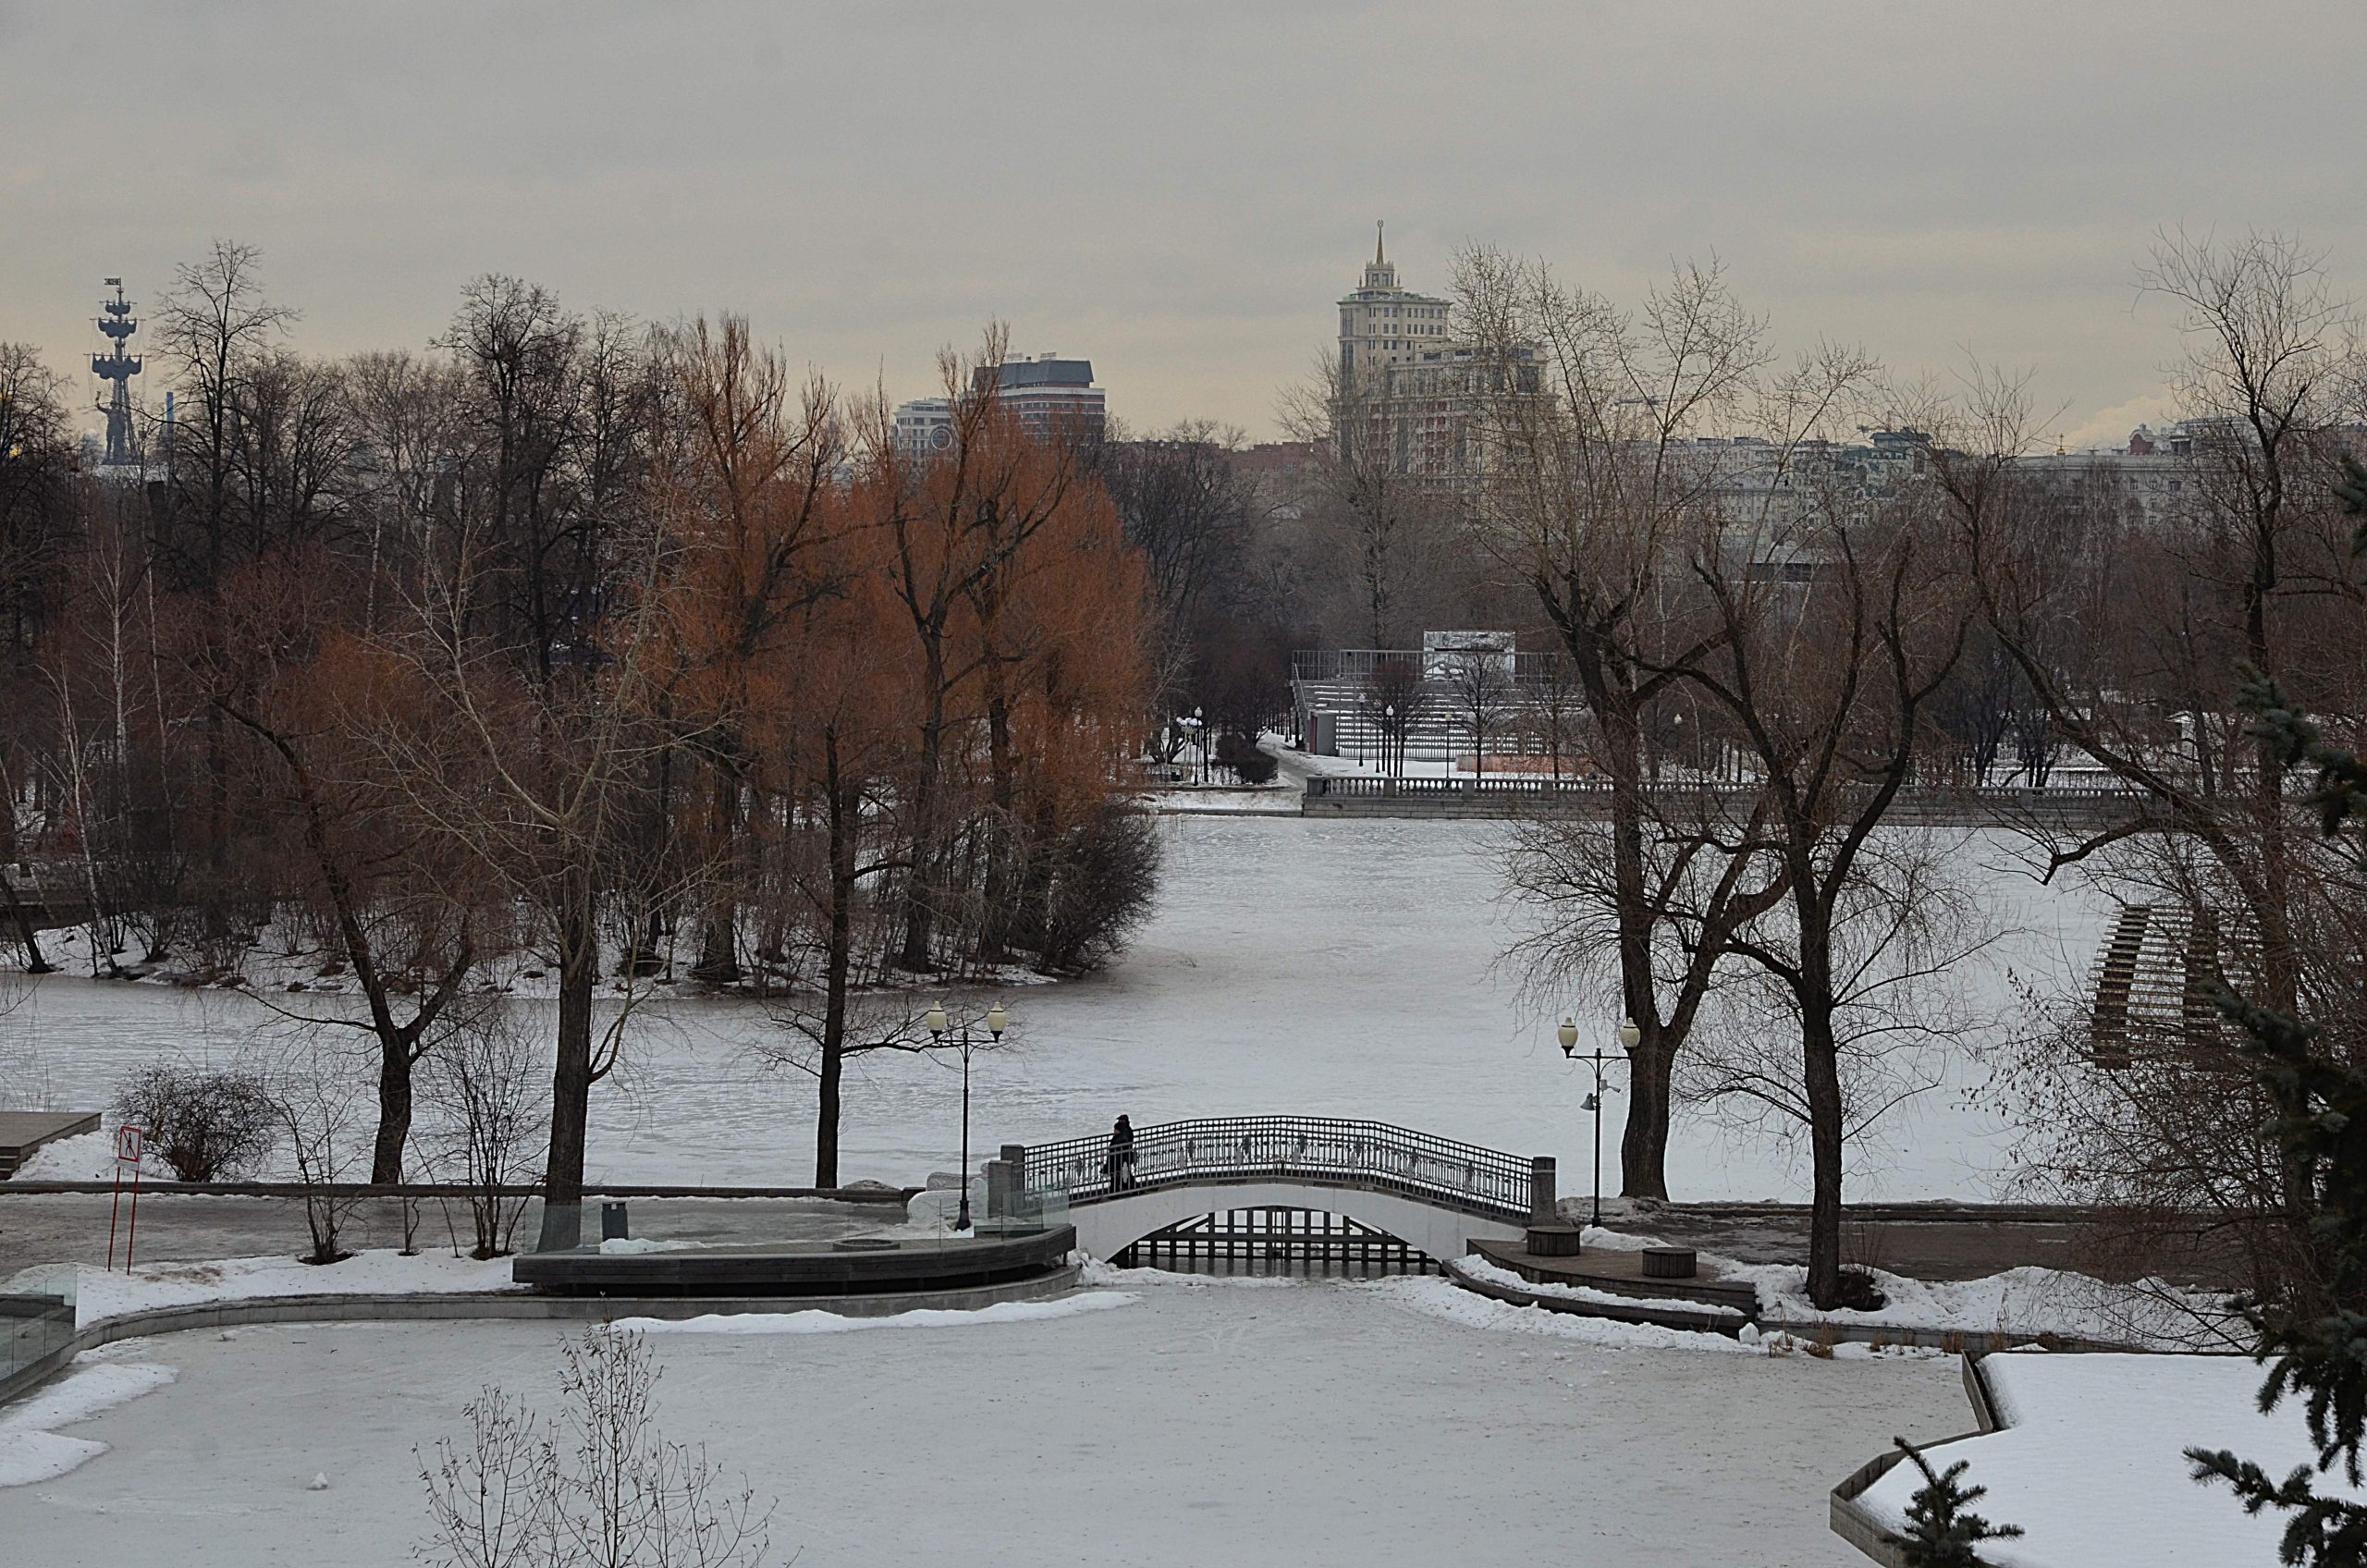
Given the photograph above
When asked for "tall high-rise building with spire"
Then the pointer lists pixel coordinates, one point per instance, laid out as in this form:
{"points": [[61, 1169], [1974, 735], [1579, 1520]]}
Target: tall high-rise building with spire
{"points": [[1382, 324], [1409, 393], [117, 367]]}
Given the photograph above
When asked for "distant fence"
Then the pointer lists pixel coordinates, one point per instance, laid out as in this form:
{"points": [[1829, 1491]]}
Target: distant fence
{"points": [[1361, 664], [1496, 794]]}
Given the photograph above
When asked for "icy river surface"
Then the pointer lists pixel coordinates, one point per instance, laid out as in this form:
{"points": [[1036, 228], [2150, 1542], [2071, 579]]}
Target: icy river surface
{"points": [[1330, 968]]}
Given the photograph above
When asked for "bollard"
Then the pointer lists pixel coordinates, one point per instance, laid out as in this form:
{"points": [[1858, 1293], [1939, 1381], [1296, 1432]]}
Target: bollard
{"points": [[998, 1204], [1543, 1203]]}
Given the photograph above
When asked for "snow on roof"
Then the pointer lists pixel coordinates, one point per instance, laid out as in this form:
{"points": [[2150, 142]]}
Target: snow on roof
{"points": [[2091, 1462]]}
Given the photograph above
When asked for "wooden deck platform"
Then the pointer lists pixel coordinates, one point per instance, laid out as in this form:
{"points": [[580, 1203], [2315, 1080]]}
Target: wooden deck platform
{"points": [[21, 1131]]}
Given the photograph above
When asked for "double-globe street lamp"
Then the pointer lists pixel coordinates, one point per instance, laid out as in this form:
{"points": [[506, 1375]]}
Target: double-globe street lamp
{"points": [[1629, 1036], [997, 1021]]}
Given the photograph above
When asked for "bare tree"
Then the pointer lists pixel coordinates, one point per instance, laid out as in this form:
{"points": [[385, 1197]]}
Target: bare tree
{"points": [[958, 527], [1476, 687], [1598, 503], [598, 1485], [38, 506], [407, 416], [487, 1119], [307, 1081], [2134, 644], [1827, 673], [1552, 712], [820, 1035], [398, 901], [1381, 524], [1186, 507], [547, 785], [1395, 698], [748, 487], [212, 329], [1906, 933]]}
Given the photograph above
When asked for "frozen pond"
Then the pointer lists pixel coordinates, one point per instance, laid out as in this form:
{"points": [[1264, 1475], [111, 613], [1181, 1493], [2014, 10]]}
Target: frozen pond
{"points": [[1288, 1424], [1339, 968]]}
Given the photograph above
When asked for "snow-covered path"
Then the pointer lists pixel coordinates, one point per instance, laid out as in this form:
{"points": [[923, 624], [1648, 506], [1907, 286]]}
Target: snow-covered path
{"points": [[1339, 968], [1299, 1423]]}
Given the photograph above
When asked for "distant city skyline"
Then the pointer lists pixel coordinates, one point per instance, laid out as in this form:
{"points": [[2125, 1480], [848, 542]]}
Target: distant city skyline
{"points": [[1179, 196]]}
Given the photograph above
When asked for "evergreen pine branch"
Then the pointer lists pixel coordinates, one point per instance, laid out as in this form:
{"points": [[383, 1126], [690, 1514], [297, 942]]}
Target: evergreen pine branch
{"points": [[1942, 1533], [2322, 1530]]}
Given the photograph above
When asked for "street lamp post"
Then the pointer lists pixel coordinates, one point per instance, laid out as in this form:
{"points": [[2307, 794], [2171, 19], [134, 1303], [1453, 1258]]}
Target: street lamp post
{"points": [[1389, 738], [1629, 1036], [1201, 727], [997, 1021]]}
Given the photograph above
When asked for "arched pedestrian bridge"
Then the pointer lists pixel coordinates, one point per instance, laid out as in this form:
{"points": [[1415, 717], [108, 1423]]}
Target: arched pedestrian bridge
{"points": [[1432, 1194]]}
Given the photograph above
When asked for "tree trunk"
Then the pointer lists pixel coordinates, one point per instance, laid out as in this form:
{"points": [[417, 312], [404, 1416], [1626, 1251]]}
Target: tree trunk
{"points": [[718, 960], [1823, 1082], [35, 962], [394, 1111], [845, 809], [1643, 1149], [1821, 1077], [995, 920], [920, 882], [579, 976]]}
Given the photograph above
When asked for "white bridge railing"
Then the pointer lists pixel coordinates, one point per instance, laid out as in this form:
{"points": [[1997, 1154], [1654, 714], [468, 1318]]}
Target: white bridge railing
{"points": [[1370, 1154]]}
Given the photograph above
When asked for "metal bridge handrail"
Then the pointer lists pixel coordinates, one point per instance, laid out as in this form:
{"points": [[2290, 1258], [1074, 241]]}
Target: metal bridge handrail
{"points": [[1366, 1154]]}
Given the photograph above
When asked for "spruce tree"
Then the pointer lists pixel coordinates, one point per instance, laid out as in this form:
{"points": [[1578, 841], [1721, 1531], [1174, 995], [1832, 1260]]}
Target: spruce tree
{"points": [[2319, 1119], [1941, 1532]]}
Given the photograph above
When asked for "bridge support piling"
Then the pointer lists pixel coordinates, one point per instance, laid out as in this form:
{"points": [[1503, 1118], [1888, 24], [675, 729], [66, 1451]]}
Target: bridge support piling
{"points": [[1542, 1201]]}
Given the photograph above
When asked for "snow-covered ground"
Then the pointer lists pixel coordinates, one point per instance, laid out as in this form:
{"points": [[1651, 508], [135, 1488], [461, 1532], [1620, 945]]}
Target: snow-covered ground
{"points": [[1281, 798], [2091, 1463], [102, 1293], [1300, 1423], [2019, 1303], [33, 1450], [1340, 968]]}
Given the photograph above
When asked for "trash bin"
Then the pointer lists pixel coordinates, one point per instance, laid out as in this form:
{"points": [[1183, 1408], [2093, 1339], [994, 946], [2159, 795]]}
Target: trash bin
{"points": [[612, 1222]]}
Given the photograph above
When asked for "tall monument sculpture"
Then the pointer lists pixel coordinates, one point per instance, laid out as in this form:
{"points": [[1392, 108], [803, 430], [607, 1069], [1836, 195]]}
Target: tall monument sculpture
{"points": [[117, 367]]}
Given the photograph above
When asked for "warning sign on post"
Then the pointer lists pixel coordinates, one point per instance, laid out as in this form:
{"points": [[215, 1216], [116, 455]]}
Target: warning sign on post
{"points": [[130, 1143]]}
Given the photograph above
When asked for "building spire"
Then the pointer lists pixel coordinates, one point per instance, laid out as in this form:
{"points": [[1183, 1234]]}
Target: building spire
{"points": [[1379, 256]]}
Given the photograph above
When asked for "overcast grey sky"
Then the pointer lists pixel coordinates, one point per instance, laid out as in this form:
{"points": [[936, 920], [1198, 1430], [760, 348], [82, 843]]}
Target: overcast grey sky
{"points": [[1179, 191]]}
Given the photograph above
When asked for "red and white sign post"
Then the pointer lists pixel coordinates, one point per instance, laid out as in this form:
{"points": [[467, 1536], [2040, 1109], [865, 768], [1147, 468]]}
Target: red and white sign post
{"points": [[131, 1144]]}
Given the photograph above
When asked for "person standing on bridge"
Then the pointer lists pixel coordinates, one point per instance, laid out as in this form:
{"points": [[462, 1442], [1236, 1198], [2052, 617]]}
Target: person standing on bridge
{"points": [[1122, 1156]]}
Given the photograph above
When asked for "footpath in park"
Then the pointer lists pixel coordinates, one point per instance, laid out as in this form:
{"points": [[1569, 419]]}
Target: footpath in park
{"points": [[1924, 1241], [37, 1228]]}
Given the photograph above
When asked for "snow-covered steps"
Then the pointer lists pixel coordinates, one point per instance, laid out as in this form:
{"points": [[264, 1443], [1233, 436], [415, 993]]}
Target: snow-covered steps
{"points": [[1604, 1283]]}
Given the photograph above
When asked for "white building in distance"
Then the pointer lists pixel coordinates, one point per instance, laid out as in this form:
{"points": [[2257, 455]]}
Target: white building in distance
{"points": [[1382, 324], [1052, 399], [1410, 395]]}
